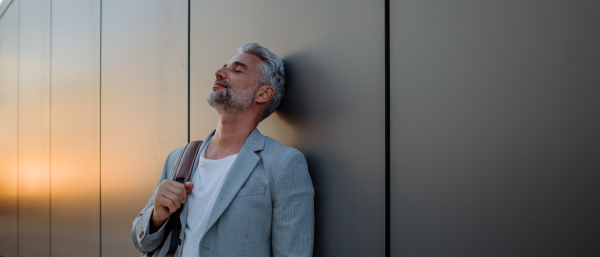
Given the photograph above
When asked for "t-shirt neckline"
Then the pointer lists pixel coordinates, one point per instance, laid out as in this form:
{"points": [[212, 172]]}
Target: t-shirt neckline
{"points": [[224, 159]]}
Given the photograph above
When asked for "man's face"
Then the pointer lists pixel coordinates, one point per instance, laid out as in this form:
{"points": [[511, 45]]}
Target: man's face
{"points": [[235, 84]]}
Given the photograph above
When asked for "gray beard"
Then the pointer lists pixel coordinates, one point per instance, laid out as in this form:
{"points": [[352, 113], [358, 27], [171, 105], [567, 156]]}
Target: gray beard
{"points": [[231, 101]]}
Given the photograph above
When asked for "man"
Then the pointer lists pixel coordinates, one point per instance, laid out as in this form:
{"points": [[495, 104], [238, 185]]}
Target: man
{"points": [[249, 195]]}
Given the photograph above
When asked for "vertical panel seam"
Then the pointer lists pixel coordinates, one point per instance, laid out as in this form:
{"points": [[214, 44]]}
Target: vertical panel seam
{"points": [[188, 69], [100, 138], [18, 113], [387, 128], [50, 142]]}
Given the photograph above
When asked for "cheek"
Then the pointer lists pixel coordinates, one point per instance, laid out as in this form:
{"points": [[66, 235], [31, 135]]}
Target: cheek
{"points": [[247, 83], [251, 79]]}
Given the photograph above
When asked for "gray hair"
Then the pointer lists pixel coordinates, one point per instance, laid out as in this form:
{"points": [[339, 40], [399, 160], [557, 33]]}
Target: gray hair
{"points": [[271, 73]]}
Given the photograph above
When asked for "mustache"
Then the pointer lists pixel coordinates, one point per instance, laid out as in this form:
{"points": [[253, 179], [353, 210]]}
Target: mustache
{"points": [[224, 82]]}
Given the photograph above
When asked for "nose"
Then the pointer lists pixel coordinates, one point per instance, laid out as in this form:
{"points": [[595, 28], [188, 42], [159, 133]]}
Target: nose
{"points": [[220, 73]]}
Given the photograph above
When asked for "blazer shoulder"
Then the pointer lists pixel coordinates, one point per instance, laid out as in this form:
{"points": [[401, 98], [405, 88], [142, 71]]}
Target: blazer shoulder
{"points": [[272, 145], [278, 155], [172, 160], [175, 155], [287, 166]]}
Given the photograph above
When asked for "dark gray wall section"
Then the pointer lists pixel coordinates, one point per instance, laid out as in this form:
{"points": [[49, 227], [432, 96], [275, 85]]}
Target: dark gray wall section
{"points": [[494, 128], [334, 108]]}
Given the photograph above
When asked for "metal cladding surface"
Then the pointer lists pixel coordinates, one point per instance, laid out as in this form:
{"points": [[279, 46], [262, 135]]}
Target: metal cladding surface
{"points": [[144, 107], [333, 110], [8, 130], [34, 128], [493, 114], [494, 128], [75, 128]]}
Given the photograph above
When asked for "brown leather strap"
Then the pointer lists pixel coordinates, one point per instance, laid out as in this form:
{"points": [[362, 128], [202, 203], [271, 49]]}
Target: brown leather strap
{"points": [[186, 162], [181, 175]]}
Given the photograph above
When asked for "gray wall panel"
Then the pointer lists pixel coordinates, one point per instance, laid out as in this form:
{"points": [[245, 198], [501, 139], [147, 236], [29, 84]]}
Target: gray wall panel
{"points": [[75, 128], [494, 120], [8, 130], [334, 106], [34, 128], [144, 107]]}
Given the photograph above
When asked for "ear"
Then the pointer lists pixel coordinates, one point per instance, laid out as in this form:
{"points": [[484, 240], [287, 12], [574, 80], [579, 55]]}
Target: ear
{"points": [[264, 93]]}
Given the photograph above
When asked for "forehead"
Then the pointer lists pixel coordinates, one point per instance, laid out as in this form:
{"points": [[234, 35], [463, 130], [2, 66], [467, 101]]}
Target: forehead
{"points": [[251, 61]]}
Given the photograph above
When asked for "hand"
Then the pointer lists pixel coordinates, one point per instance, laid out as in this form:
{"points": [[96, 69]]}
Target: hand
{"points": [[170, 195]]}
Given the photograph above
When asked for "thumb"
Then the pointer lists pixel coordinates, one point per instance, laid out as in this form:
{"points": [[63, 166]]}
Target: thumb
{"points": [[189, 186]]}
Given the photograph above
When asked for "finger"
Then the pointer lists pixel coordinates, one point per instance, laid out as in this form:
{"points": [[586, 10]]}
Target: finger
{"points": [[189, 186], [169, 183], [163, 186], [162, 203], [168, 204], [159, 209], [174, 198], [178, 189]]}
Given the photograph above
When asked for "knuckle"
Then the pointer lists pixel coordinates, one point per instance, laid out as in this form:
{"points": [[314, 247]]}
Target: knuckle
{"points": [[162, 202]]}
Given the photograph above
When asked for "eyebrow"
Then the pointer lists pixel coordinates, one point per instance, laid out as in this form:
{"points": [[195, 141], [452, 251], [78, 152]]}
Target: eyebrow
{"points": [[238, 63]]}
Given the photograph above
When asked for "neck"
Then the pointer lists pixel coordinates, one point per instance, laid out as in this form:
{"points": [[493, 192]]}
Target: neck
{"points": [[231, 134]]}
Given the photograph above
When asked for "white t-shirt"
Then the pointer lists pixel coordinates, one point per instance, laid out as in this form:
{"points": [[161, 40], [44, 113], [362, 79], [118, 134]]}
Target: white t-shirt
{"points": [[208, 180]]}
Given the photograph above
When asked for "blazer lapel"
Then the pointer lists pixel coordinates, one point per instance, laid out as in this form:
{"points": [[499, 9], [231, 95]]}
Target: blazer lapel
{"points": [[184, 212], [239, 172]]}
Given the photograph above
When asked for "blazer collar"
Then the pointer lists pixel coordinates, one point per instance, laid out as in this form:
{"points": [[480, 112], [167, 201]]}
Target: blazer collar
{"points": [[237, 175], [255, 141], [184, 212]]}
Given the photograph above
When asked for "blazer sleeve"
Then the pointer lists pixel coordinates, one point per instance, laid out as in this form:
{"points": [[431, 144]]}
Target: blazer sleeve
{"points": [[292, 231], [143, 240]]}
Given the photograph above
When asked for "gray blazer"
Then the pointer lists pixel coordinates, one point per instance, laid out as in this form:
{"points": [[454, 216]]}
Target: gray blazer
{"points": [[265, 207]]}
